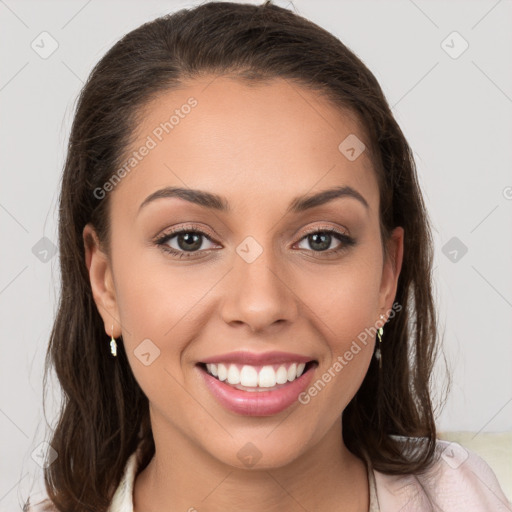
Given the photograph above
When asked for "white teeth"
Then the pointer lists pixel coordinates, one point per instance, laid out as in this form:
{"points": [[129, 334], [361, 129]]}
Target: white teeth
{"points": [[212, 368], [248, 376], [292, 372], [223, 372], [233, 375], [267, 377], [281, 375]]}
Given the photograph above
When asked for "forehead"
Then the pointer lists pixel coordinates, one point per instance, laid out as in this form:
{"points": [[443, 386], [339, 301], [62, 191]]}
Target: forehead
{"points": [[244, 139]]}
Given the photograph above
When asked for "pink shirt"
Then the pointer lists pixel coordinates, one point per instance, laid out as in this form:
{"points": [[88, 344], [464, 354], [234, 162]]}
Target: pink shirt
{"points": [[459, 481]]}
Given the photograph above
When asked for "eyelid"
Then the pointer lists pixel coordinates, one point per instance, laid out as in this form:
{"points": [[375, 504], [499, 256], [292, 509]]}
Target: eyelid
{"points": [[161, 240], [199, 229], [188, 228], [315, 229]]}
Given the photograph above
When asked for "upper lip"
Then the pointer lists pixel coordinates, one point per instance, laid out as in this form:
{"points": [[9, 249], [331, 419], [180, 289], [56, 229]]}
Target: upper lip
{"points": [[256, 359]]}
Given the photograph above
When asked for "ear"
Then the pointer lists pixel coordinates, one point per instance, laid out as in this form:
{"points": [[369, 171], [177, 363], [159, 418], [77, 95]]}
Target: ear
{"points": [[102, 283], [391, 270]]}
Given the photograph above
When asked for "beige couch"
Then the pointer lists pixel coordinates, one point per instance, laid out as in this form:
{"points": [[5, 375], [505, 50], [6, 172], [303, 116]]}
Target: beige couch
{"points": [[494, 447]]}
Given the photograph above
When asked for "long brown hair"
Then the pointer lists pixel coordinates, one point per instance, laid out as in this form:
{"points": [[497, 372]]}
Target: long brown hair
{"points": [[105, 414]]}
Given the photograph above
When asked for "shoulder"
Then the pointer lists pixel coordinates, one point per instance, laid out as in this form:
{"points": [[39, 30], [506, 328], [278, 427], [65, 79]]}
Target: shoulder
{"points": [[123, 496], [458, 480], [122, 499]]}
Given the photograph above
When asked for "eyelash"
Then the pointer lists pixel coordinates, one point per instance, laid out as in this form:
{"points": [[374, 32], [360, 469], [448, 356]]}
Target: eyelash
{"points": [[161, 241]]}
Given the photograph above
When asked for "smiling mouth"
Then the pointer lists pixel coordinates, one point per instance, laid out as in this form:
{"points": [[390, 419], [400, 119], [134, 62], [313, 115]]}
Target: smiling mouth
{"points": [[257, 378]]}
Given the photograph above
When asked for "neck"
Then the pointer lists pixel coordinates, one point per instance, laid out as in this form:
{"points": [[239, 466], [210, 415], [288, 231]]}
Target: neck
{"points": [[183, 477]]}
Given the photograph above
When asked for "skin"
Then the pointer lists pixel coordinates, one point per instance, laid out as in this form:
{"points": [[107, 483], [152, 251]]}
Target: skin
{"points": [[259, 146]]}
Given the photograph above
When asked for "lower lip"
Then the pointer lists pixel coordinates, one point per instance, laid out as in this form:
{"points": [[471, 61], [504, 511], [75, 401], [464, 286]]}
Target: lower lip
{"points": [[257, 403]]}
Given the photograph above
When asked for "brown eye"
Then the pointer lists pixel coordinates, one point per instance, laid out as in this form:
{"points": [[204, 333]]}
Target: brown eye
{"points": [[189, 241], [184, 242], [321, 240]]}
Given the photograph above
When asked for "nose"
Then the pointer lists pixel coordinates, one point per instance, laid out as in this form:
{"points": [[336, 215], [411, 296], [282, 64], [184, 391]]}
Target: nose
{"points": [[259, 294]]}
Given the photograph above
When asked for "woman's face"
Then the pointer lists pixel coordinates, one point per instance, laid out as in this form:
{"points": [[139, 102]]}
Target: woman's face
{"points": [[255, 292]]}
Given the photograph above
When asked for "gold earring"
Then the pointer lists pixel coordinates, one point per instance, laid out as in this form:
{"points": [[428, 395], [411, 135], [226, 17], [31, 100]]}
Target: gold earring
{"points": [[113, 344], [378, 354]]}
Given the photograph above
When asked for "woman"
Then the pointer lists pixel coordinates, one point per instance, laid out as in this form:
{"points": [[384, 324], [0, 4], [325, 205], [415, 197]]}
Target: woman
{"points": [[246, 319]]}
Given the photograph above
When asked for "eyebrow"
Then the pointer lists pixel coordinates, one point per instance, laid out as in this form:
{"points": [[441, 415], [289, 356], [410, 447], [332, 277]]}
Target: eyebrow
{"points": [[219, 203]]}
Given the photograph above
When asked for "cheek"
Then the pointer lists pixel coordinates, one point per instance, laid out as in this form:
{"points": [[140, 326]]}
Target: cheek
{"points": [[343, 304], [161, 302], [156, 312], [345, 299]]}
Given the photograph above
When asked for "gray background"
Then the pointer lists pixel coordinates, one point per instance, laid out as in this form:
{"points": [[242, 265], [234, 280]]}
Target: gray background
{"points": [[455, 112]]}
